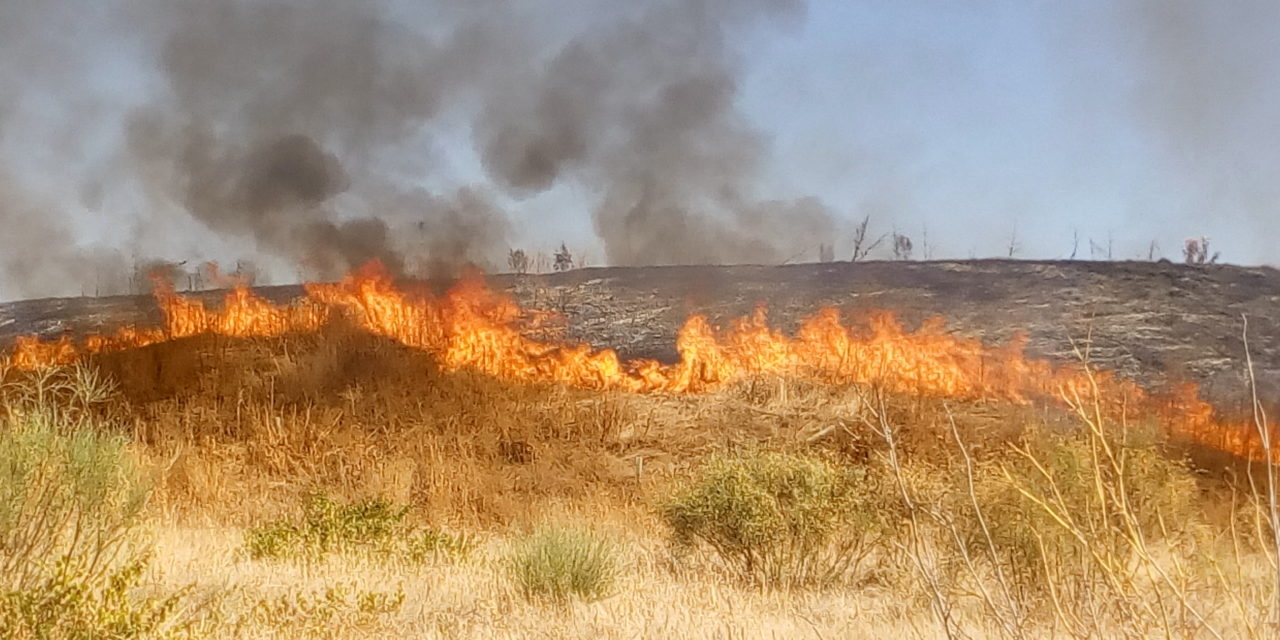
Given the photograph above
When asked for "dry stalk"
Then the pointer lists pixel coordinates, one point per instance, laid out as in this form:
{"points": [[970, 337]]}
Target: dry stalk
{"points": [[916, 547], [1273, 505]]}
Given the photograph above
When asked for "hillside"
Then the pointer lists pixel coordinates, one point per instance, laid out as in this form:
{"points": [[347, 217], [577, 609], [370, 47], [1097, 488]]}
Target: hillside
{"points": [[1155, 322]]}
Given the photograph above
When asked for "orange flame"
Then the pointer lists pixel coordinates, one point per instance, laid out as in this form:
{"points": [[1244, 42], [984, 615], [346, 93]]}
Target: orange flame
{"points": [[473, 327]]}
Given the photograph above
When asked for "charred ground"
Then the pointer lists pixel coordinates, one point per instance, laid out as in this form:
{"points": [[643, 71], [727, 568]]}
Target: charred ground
{"points": [[1154, 321]]}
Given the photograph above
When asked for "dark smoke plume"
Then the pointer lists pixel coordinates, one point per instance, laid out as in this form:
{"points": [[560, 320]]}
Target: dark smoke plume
{"points": [[643, 110], [302, 130], [269, 101]]}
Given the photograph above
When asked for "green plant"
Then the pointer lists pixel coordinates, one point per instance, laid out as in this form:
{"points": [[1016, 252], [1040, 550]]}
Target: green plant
{"points": [[71, 500], [375, 527], [328, 526], [67, 604], [67, 495], [1062, 504], [559, 564], [779, 519], [433, 543], [318, 613]]}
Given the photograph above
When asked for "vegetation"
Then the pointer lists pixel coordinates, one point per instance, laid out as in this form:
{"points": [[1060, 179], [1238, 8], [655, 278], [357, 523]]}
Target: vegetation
{"points": [[779, 519], [518, 261], [563, 258], [798, 509], [559, 564], [1196, 251], [326, 612], [368, 527], [71, 506]]}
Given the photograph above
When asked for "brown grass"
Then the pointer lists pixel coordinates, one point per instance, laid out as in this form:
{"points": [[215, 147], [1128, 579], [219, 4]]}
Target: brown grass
{"points": [[237, 431]]}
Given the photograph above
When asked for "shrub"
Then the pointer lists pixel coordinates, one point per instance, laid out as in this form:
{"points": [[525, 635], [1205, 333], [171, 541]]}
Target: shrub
{"points": [[559, 564], [435, 543], [316, 613], [68, 497], [778, 519], [71, 556], [69, 604], [1063, 504], [373, 526]]}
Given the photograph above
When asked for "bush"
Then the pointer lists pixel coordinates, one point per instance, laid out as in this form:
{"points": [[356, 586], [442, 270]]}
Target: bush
{"points": [[70, 551], [779, 519], [559, 564], [68, 604], [317, 613], [68, 497], [372, 526], [1063, 504]]}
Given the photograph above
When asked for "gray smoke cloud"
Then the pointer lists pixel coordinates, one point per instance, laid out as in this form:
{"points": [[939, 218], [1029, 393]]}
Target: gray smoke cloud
{"points": [[306, 133], [300, 128], [38, 251], [1207, 94], [644, 111], [269, 104]]}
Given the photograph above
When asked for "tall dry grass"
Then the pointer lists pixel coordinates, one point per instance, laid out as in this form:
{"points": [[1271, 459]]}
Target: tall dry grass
{"points": [[991, 520]]}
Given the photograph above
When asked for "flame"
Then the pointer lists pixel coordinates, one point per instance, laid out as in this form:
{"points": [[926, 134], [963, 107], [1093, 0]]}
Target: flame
{"points": [[473, 327]]}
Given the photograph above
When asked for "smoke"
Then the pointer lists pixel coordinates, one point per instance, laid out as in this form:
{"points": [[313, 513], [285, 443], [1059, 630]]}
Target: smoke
{"points": [[305, 131], [1207, 94], [39, 255], [268, 102], [644, 110]]}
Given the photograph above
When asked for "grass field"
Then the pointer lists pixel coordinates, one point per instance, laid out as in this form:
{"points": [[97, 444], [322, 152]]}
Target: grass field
{"points": [[339, 486]]}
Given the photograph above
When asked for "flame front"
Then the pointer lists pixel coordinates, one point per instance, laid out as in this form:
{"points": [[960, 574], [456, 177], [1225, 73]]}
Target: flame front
{"points": [[473, 327]]}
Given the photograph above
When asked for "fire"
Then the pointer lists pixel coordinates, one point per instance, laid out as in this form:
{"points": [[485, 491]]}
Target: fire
{"points": [[474, 327]]}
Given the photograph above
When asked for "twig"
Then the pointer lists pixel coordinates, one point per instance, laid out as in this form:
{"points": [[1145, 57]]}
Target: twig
{"points": [[1264, 432]]}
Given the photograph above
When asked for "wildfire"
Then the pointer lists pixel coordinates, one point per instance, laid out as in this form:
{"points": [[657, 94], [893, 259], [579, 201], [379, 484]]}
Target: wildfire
{"points": [[473, 327]]}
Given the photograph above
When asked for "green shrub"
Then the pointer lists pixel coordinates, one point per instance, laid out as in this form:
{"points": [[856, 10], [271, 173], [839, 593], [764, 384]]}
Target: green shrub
{"points": [[1063, 505], [71, 553], [778, 519], [70, 497], [317, 613], [429, 543], [558, 564], [374, 527], [67, 604]]}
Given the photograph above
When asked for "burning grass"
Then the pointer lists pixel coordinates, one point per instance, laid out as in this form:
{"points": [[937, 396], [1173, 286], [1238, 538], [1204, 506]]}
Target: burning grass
{"points": [[473, 328], [991, 517]]}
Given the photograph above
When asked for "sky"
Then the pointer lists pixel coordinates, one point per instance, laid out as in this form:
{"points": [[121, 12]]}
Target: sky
{"points": [[633, 132]]}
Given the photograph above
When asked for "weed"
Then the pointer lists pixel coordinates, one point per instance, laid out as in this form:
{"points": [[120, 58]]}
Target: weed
{"points": [[319, 613], [778, 519], [67, 604], [372, 527], [71, 500], [558, 564], [427, 544]]}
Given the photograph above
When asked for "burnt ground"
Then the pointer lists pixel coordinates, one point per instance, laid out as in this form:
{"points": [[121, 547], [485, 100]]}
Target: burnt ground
{"points": [[1154, 321]]}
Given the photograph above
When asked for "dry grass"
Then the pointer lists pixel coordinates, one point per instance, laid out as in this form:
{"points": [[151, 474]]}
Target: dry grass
{"points": [[236, 432], [471, 600]]}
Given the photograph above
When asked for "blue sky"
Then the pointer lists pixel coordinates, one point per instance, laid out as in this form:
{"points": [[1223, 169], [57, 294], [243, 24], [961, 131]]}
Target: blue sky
{"points": [[965, 125], [977, 124]]}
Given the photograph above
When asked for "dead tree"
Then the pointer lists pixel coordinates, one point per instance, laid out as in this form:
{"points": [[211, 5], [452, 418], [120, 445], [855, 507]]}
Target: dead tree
{"points": [[862, 245], [518, 260], [901, 246], [563, 259], [1196, 251]]}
